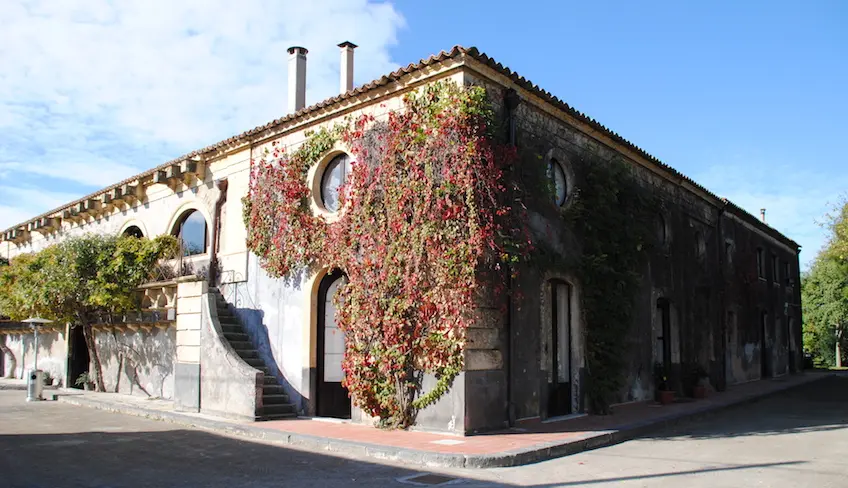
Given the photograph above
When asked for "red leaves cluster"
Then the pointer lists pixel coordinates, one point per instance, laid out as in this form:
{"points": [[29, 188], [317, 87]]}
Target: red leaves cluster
{"points": [[423, 208]]}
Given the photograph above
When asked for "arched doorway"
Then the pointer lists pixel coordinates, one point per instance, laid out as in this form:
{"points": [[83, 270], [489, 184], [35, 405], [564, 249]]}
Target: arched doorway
{"points": [[331, 398], [559, 383]]}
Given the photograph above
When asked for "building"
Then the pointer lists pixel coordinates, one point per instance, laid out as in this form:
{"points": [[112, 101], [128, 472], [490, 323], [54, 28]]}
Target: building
{"points": [[721, 289]]}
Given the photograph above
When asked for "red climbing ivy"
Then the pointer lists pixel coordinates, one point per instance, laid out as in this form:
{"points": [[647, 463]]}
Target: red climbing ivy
{"points": [[424, 210]]}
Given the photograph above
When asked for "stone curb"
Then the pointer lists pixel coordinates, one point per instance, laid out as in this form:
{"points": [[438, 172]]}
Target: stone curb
{"points": [[512, 458]]}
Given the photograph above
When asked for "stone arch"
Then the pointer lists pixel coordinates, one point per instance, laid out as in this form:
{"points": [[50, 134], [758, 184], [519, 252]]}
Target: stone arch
{"points": [[577, 334], [134, 223], [183, 211]]}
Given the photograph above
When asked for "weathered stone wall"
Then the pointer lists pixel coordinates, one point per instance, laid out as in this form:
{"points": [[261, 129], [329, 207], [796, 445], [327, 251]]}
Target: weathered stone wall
{"points": [[52, 351], [138, 362], [228, 386], [688, 269]]}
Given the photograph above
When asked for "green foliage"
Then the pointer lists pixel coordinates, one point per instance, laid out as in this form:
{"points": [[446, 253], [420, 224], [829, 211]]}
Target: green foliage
{"points": [[423, 209], [824, 294], [612, 219], [82, 379], [837, 246], [80, 278]]}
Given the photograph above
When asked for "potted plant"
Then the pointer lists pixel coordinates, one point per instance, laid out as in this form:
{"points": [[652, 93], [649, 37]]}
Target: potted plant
{"points": [[664, 393], [695, 379], [86, 381], [48, 380]]}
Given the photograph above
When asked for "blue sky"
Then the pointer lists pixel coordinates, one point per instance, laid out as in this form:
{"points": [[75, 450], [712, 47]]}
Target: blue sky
{"points": [[747, 98]]}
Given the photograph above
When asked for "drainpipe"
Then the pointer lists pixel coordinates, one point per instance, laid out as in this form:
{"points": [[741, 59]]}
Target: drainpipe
{"points": [[511, 101], [721, 384], [216, 231]]}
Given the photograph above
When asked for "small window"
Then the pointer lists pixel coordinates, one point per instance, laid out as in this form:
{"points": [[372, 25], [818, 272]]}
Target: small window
{"points": [[761, 264], [335, 175], [728, 251], [662, 230], [192, 233], [774, 269], [133, 231], [700, 245], [557, 175], [786, 278]]}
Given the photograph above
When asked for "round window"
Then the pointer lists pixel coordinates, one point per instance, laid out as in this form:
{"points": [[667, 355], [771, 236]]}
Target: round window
{"points": [[557, 175], [333, 178]]}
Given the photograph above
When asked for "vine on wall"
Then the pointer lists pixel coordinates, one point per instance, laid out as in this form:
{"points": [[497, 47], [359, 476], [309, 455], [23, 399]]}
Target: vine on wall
{"points": [[424, 208], [613, 218], [609, 225]]}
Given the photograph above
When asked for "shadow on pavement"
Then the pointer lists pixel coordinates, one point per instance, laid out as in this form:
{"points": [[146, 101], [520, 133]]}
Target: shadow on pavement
{"points": [[186, 458], [815, 407]]}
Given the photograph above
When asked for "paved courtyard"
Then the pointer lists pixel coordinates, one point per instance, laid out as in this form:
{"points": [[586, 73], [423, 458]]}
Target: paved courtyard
{"points": [[795, 439]]}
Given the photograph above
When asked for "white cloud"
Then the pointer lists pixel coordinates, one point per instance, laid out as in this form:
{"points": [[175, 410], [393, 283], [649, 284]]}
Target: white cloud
{"points": [[27, 202], [796, 201], [92, 91]]}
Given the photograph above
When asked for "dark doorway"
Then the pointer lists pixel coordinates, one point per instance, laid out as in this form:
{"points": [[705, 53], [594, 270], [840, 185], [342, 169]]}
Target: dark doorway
{"points": [[664, 339], [332, 399], [133, 231], [559, 388], [78, 359]]}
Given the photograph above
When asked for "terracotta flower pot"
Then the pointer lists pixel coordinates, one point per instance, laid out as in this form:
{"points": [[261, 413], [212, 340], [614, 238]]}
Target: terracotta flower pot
{"points": [[666, 397], [699, 391]]}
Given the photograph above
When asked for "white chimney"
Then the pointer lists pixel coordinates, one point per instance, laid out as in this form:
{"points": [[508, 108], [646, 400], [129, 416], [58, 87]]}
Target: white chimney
{"points": [[346, 72], [297, 78]]}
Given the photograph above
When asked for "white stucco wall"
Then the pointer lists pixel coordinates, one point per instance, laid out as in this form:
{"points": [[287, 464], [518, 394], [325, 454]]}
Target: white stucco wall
{"points": [[52, 353]]}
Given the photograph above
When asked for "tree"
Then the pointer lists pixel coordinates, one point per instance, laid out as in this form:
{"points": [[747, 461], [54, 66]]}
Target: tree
{"points": [[80, 280], [837, 246], [825, 297]]}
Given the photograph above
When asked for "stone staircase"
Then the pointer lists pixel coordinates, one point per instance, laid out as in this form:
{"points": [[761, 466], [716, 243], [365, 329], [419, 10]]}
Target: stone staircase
{"points": [[275, 401]]}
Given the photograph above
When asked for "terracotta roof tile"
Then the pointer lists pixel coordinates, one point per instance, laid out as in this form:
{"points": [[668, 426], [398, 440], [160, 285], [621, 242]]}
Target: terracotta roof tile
{"points": [[456, 51]]}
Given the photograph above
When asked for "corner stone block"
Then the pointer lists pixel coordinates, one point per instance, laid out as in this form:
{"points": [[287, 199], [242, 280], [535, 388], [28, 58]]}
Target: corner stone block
{"points": [[188, 305], [189, 321], [188, 354], [482, 338], [488, 318], [192, 288], [483, 360], [188, 338]]}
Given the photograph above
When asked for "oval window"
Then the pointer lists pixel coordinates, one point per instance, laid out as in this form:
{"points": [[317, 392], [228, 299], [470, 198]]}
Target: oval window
{"points": [[333, 178], [557, 175]]}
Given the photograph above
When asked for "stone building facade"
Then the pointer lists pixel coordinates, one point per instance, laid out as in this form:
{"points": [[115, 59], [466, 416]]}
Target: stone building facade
{"points": [[722, 290]]}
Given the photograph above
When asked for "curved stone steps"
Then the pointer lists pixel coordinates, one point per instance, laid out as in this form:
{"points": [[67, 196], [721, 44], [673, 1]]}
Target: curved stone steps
{"points": [[276, 404]]}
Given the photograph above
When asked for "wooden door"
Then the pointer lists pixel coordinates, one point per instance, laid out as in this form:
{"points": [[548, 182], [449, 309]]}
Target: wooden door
{"points": [[332, 398]]}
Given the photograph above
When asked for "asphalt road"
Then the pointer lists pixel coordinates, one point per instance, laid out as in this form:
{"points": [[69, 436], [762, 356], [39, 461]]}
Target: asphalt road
{"points": [[796, 439]]}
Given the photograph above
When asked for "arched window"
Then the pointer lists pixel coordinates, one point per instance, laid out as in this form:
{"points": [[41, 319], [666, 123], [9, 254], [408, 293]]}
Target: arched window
{"points": [[334, 176], [133, 231], [662, 230], [560, 181], [191, 230], [700, 245]]}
